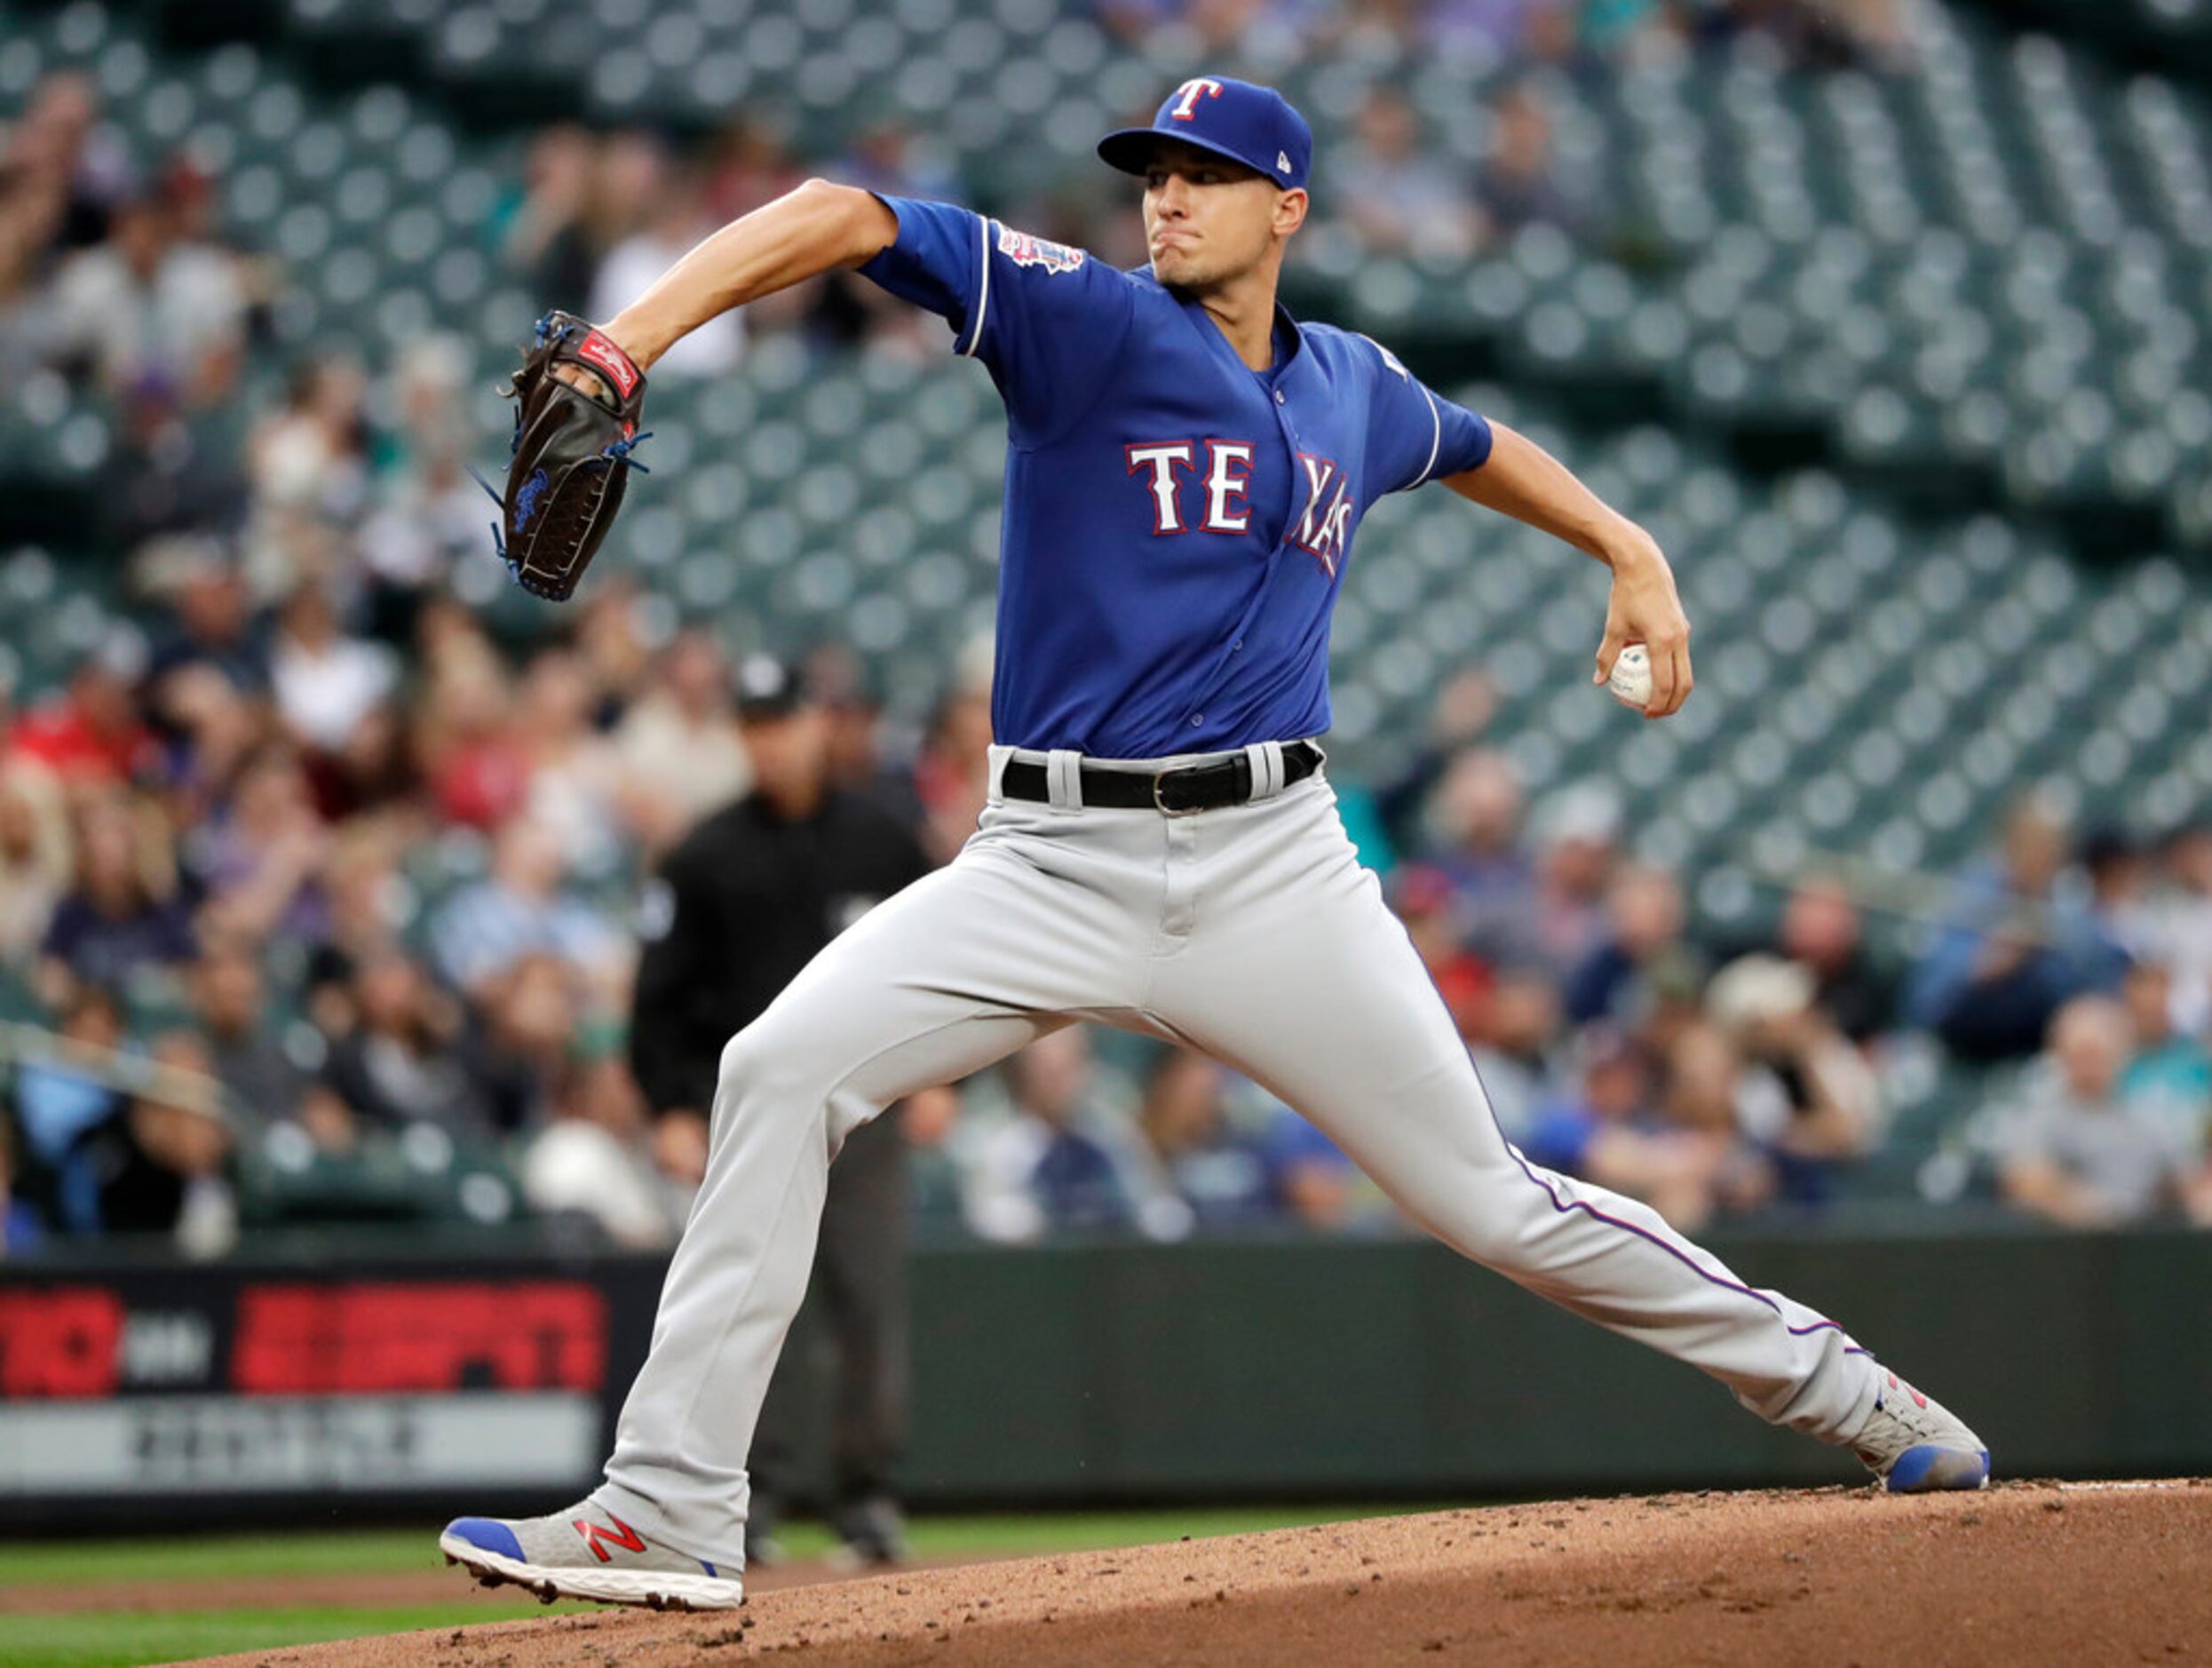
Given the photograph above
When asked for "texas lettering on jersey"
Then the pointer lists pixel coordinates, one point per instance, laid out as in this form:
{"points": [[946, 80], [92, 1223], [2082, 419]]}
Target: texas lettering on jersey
{"points": [[1222, 470], [1325, 526], [1227, 476]]}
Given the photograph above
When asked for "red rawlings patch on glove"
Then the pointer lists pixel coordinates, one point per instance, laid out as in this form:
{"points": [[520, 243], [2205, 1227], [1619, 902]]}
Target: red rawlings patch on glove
{"points": [[600, 350]]}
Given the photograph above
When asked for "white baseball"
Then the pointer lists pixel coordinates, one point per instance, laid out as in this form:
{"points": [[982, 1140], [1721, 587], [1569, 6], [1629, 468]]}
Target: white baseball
{"points": [[1631, 678]]}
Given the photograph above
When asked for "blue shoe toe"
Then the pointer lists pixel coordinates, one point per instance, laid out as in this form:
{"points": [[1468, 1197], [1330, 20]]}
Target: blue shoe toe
{"points": [[1928, 1469], [489, 1535]]}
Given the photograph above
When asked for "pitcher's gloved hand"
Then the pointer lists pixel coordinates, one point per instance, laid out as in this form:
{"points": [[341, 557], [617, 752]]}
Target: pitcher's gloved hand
{"points": [[577, 401]]}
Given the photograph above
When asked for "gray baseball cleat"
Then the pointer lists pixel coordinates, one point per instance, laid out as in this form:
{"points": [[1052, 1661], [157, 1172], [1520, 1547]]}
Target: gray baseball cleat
{"points": [[587, 1552], [1915, 1445]]}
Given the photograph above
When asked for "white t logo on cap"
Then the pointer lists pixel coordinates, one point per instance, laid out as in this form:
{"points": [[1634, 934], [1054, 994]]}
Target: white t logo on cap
{"points": [[1187, 96]]}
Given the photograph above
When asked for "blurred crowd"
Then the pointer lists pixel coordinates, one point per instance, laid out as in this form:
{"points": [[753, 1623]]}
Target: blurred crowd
{"points": [[292, 899], [320, 901]]}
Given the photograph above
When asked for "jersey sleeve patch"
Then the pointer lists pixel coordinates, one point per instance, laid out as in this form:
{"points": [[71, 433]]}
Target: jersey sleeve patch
{"points": [[1024, 248]]}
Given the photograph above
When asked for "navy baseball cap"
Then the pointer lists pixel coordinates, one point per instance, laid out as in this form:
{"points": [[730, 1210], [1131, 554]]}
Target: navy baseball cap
{"points": [[1247, 124]]}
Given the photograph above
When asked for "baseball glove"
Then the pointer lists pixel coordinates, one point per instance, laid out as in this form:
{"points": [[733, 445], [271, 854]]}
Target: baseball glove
{"points": [[570, 457]]}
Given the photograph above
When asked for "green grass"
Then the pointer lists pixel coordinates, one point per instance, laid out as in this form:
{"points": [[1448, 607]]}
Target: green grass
{"points": [[114, 1640], [308, 1553], [82, 1638]]}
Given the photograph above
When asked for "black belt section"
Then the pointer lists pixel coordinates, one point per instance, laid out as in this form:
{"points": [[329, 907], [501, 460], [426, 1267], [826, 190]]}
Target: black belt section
{"points": [[1177, 792]]}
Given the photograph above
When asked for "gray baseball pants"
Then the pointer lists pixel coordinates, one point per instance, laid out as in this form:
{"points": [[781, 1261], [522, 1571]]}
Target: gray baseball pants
{"points": [[1251, 932]]}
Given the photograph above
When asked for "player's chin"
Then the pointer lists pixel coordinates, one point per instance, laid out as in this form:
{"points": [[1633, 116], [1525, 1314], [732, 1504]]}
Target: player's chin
{"points": [[1178, 270]]}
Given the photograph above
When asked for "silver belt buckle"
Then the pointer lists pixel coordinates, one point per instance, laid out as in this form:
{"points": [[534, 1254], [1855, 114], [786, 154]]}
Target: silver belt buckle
{"points": [[1163, 807]]}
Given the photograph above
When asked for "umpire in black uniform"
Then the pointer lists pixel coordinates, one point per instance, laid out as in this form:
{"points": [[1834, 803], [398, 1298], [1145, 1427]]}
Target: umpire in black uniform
{"points": [[740, 906]]}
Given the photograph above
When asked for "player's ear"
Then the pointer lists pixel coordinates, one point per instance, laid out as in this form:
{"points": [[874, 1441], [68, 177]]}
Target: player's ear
{"points": [[1290, 207]]}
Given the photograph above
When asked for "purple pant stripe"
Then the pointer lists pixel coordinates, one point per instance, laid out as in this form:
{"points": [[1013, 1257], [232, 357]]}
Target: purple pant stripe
{"points": [[1564, 1205]]}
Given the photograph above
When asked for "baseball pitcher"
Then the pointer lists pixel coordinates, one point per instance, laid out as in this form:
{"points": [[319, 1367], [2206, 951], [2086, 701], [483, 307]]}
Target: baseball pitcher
{"points": [[1186, 468]]}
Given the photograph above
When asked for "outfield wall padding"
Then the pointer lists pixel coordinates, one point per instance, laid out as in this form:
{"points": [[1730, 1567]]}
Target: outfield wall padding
{"points": [[141, 1392]]}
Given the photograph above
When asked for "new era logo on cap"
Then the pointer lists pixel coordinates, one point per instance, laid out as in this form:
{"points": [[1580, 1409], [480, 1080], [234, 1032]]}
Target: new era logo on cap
{"points": [[1247, 123]]}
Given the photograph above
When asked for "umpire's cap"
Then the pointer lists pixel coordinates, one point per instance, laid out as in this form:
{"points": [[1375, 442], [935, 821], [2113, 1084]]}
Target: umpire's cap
{"points": [[1247, 124], [767, 688]]}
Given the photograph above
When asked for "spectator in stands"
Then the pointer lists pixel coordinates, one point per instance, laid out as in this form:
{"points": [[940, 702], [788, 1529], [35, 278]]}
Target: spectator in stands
{"points": [[838, 678], [121, 918], [1422, 895], [1476, 814], [369, 902], [672, 216], [35, 856], [325, 681], [1494, 30], [595, 1160], [1191, 1171], [145, 303], [2073, 1149], [61, 154], [210, 621], [2184, 908], [258, 859], [60, 1099], [1704, 1101], [521, 907], [1820, 930], [468, 736], [928, 1122], [951, 777], [1806, 1096], [531, 1026], [428, 515], [678, 742], [1512, 1045], [2168, 1072], [209, 731], [92, 732], [170, 473], [750, 165], [1576, 834], [1399, 194], [408, 1059], [614, 646], [1607, 1131], [1642, 953], [1465, 703], [885, 157], [374, 773], [308, 466], [545, 238], [1808, 33], [265, 1084], [159, 1166], [2009, 951], [577, 790], [2119, 926], [1518, 184], [1048, 1165], [1313, 1182]]}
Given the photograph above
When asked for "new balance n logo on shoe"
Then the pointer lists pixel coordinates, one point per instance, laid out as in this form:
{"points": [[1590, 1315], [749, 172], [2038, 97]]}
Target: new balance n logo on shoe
{"points": [[622, 1535]]}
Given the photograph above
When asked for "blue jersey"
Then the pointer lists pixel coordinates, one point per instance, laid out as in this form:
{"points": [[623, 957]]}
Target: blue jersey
{"points": [[1177, 524]]}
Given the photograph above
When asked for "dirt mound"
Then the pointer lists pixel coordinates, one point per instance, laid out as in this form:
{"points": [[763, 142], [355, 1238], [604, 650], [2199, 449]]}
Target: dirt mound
{"points": [[2041, 1572], [360, 1591]]}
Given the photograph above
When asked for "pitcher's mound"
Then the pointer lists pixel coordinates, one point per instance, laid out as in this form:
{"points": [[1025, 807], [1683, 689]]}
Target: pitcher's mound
{"points": [[2025, 1572]]}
